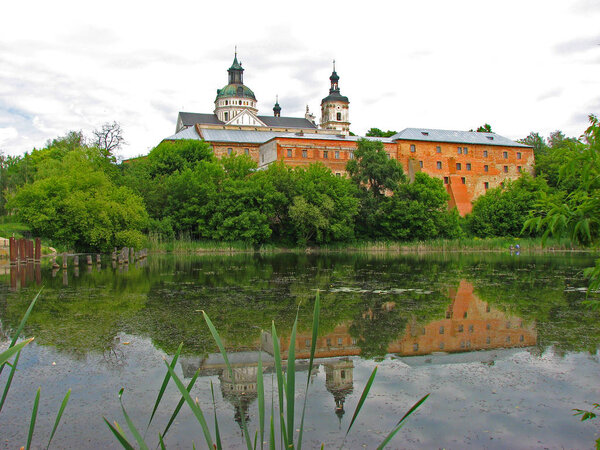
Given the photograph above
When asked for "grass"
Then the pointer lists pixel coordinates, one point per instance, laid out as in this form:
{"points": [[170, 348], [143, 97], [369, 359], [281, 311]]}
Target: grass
{"points": [[284, 435], [9, 226]]}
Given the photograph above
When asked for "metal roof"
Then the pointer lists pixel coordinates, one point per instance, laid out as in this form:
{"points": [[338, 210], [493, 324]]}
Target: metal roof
{"points": [[452, 136], [333, 137], [189, 119], [242, 136], [186, 133]]}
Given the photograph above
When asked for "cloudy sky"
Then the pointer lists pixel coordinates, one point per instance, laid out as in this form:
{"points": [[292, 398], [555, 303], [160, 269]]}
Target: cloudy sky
{"points": [[519, 65]]}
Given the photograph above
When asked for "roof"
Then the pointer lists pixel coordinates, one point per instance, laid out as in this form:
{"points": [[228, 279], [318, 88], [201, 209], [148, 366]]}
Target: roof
{"points": [[186, 133], [245, 136], [231, 90], [190, 119], [458, 137], [236, 65], [335, 97]]}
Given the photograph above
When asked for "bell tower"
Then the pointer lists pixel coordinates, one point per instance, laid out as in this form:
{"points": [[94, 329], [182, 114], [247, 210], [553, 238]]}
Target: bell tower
{"points": [[334, 107]]}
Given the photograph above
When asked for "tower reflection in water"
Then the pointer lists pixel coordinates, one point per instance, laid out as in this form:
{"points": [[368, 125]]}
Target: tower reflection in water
{"points": [[469, 324]]}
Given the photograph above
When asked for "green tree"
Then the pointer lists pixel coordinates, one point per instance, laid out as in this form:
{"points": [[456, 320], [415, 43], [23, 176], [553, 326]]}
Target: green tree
{"points": [[376, 132], [485, 128]]}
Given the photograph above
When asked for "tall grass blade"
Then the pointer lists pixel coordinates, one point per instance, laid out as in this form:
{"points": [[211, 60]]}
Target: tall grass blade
{"points": [[132, 428], [291, 382], [119, 435], [272, 424], [362, 399], [219, 342], [9, 352], [217, 433], [400, 423], [161, 442], [164, 385], [181, 401], [61, 410], [280, 381], [36, 403], [195, 408], [13, 369], [313, 346], [260, 387]]}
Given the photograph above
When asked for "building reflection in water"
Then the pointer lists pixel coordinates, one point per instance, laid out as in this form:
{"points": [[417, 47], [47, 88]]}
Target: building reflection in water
{"points": [[469, 324]]}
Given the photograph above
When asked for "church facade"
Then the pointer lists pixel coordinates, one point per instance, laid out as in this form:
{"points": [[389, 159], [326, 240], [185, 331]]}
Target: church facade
{"points": [[468, 163]]}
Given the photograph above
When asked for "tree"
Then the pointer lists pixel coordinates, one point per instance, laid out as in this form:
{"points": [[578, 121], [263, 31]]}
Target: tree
{"points": [[537, 142], [376, 132], [109, 138], [485, 128]]}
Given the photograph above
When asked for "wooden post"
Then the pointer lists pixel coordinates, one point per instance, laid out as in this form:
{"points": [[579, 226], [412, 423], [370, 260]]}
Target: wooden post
{"points": [[64, 260], [54, 264], [98, 259], [29, 250], [76, 260], [38, 249], [89, 260], [13, 250], [22, 250]]}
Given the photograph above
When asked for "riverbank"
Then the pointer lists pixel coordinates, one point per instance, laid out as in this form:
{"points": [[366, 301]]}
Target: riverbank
{"points": [[529, 245]]}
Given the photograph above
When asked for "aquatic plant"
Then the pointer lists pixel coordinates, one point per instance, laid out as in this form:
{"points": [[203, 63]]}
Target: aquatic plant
{"points": [[285, 435]]}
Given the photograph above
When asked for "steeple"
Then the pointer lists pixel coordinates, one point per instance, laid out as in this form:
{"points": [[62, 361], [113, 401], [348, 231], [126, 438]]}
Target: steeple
{"points": [[236, 72], [334, 78], [277, 108], [334, 107]]}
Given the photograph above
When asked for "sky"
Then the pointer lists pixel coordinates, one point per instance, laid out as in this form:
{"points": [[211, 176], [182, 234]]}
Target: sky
{"points": [[521, 66]]}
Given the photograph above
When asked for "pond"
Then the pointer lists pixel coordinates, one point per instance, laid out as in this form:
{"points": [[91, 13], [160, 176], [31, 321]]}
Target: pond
{"points": [[504, 344]]}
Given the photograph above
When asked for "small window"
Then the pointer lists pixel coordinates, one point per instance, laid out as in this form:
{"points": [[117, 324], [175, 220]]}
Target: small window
{"points": [[441, 346], [328, 342], [421, 164], [519, 169], [350, 155], [246, 151], [304, 154], [425, 133], [325, 154], [413, 148], [289, 152], [462, 344], [490, 138], [353, 341], [505, 155], [485, 153], [226, 115], [458, 166], [343, 374], [337, 154], [471, 328], [465, 314], [521, 338], [389, 156], [446, 180], [337, 174], [340, 341], [438, 165], [468, 344], [339, 116], [486, 185], [488, 340], [505, 169], [488, 326], [460, 150], [508, 339], [415, 347], [438, 149], [488, 308], [460, 328], [468, 166], [442, 329], [485, 168], [307, 343], [465, 150], [229, 151], [518, 155], [464, 180]]}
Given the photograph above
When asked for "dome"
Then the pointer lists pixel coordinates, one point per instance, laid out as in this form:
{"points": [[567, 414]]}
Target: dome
{"points": [[235, 90]]}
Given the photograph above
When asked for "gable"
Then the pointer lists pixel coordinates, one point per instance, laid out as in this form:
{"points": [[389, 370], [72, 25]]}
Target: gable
{"points": [[246, 118]]}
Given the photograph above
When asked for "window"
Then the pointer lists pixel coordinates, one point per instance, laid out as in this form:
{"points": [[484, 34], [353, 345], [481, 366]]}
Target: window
{"points": [[438, 165], [465, 315], [486, 185], [464, 180], [442, 329], [488, 326], [521, 338], [485, 168], [325, 154], [226, 115], [518, 155], [350, 155], [343, 374], [458, 166], [246, 151], [337, 174], [415, 347], [289, 152], [229, 151], [488, 308], [438, 149], [505, 155], [468, 166], [304, 154], [460, 150], [508, 339], [462, 344], [485, 153], [425, 133], [339, 116], [328, 342], [413, 148], [353, 341], [421, 164], [441, 346], [466, 151], [471, 328], [337, 154], [388, 156], [307, 343], [505, 169], [518, 168], [227, 103], [446, 180], [488, 340], [340, 341], [460, 328]]}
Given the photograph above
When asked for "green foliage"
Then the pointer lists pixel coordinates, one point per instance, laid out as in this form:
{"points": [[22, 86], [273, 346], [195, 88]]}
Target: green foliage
{"points": [[503, 211], [485, 128], [376, 132], [171, 156]]}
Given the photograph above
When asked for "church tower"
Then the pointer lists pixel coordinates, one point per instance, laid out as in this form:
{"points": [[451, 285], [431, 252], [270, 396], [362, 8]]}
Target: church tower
{"points": [[235, 99], [334, 108]]}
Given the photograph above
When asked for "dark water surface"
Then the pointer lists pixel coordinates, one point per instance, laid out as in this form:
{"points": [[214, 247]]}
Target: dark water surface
{"points": [[502, 342]]}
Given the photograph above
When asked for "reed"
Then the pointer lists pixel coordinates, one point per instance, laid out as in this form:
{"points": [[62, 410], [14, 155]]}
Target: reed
{"points": [[286, 437]]}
